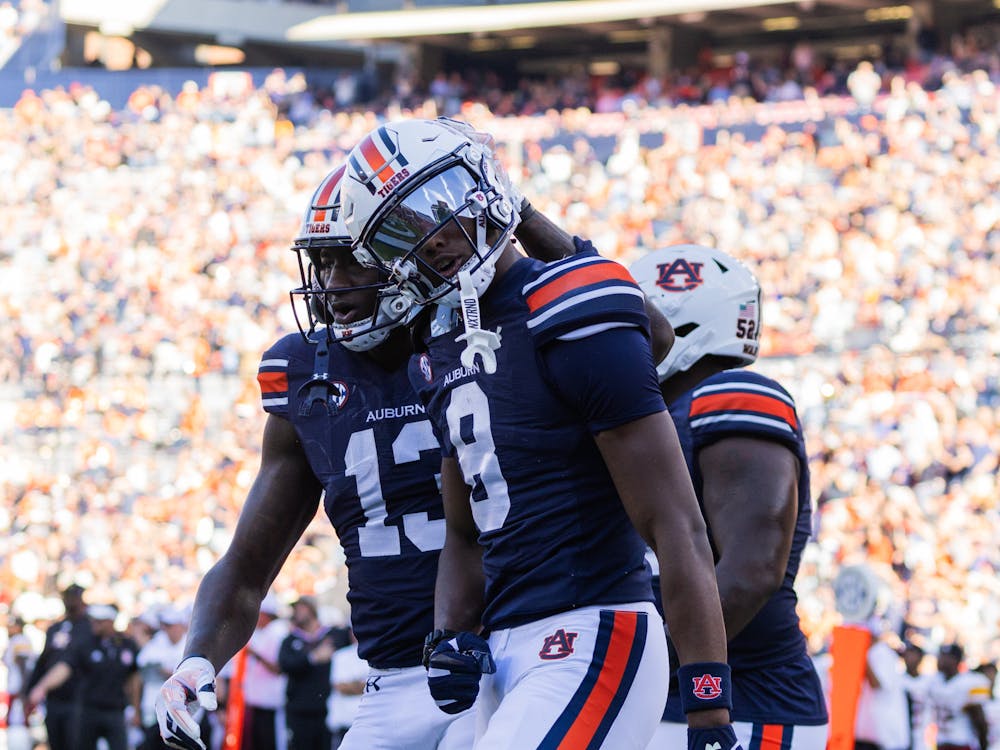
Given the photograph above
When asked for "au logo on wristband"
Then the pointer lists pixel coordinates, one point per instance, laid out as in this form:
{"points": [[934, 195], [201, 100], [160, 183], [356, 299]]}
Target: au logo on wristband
{"points": [[707, 687]]}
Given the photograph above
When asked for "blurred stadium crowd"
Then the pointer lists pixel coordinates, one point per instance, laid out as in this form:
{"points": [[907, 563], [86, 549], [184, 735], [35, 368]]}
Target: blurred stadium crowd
{"points": [[144, 268]]}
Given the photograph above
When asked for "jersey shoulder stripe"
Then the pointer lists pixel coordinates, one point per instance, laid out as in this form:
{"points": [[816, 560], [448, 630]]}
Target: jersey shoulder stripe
{"points": [[735, 402], [272, 373], [582, 295]]}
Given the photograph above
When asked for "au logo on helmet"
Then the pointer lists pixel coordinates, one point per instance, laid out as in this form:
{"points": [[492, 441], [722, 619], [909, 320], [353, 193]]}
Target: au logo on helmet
{"points": [[378, 163], [679, 275]]}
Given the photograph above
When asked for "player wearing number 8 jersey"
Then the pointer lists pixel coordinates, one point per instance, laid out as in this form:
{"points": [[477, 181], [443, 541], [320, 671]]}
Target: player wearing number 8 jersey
{"points": [[556, 465]]}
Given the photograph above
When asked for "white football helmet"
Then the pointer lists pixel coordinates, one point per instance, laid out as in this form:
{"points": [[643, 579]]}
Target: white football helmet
{"points": [[711, 299], [411, 178], [323, 227]]}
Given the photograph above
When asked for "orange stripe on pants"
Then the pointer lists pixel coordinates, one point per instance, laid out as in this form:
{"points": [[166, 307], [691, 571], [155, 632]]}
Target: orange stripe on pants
{"points": [[771, 736], [589, 719]]}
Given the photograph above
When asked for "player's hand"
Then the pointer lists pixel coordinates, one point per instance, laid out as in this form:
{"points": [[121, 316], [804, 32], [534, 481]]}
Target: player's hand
{"points": [[454, 668], [191, 686], [713, 738]]}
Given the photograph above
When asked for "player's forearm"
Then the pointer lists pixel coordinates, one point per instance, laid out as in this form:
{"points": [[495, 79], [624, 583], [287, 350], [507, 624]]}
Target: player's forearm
{"points": [[458, 593], [691, 605], [225, 614], [694, 618], [542, 238]]}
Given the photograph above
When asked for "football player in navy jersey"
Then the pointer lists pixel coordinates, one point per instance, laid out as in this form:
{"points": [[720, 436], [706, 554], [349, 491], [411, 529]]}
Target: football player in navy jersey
{"points": [[743, 444], [559, 465], [342, 418], [343, 425]]}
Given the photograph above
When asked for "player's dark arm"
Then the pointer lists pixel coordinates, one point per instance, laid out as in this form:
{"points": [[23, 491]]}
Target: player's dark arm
{"points": [[980, 726], [645, 461], [281, 503], [750, 492], [458, 593], [543, 239], [661, 333]]}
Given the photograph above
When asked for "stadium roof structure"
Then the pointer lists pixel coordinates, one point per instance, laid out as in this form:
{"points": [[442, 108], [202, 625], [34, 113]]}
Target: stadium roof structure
{"points": [[501, 27], [471, 18]]}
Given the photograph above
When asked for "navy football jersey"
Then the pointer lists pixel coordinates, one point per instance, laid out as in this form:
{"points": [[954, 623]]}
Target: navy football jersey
{"points": [[773, 677], [373, 449], [555, 535]]}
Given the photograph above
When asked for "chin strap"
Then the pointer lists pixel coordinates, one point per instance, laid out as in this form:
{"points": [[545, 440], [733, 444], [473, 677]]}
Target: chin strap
{"points": [[317, 389], [477, 341]]}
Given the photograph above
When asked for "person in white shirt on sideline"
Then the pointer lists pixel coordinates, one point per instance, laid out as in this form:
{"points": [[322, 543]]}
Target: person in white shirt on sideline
{"points": [[349, 677], [157, 661], [18, 660], [263, 683], [882, 721]]}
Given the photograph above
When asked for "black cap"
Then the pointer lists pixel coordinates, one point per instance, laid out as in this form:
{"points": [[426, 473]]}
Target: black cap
{"points": [[951, 649], [74, 589]]}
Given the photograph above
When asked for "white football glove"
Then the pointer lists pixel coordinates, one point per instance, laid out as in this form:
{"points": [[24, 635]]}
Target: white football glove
{"points": [[192, 685]]}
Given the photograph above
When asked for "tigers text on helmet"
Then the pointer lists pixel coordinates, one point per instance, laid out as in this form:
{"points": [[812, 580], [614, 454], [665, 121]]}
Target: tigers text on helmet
{"points": [[409, 180], [323, 229], [711, 299]]}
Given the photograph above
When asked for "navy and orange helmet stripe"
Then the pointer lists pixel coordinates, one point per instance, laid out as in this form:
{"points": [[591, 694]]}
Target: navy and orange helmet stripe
{"points": [[321, 201], [378, 165]]}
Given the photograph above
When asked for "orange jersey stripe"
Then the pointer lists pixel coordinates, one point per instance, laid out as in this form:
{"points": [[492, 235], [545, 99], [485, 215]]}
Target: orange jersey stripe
{"points": [[619, 648], [375, 159], [579, 277], [273, 382], [744, 401], [771, 736]]}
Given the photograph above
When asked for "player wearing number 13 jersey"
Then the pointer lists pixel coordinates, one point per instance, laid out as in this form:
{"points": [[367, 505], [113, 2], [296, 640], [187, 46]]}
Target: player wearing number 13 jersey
{"points": [[345, 425], [558, 462]]}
